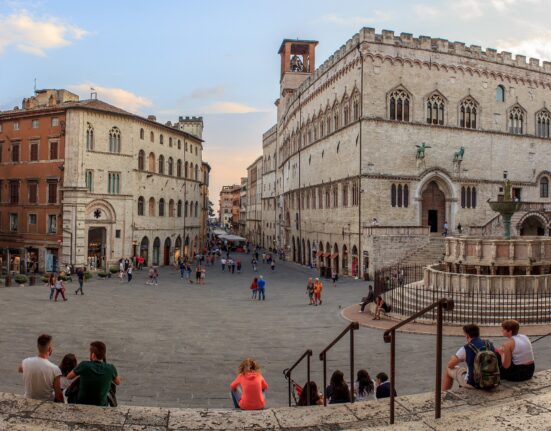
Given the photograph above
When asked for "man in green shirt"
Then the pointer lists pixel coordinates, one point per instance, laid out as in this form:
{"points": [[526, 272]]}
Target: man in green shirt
{"points": [[96, 376]]}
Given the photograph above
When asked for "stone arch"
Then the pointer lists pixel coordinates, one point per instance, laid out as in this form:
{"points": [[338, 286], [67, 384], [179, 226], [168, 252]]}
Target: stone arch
{"points": [[303, 257], [166, 251], [299, 251], [144, 249], [293, 248], [532, 224], [177, 248], [156, 251], [309, 251], [327, 255], [321, 261], [335, 259], [355, 262], [437, 199], [344, 260], [106, 214]]}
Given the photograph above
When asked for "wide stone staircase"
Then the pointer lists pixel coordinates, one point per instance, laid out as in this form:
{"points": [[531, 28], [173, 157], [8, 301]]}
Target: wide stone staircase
{"points": [[430, 253], [512, 406]]}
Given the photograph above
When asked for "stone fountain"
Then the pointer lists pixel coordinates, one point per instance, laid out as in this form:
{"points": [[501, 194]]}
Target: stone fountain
{"points": [[506, 208]]}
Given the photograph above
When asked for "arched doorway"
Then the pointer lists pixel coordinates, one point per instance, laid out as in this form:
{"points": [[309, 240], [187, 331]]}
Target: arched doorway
{"points": [[344, 260], [144, 250], [320, 256], [328, 258], [166, 254], [309, 253], [96, 247], [355, 261], [177, 248], [156, 251], [532, 225], [186, 246], [335, 258], [299, 252], [303, 252], [433, 207]]}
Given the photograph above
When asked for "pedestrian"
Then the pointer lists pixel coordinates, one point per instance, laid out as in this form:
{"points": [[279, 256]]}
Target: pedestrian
{"points": [[121, 269], [238, 264], [80, 275], [188, 272], [253, 262], [233, 266], [310, 290], [198, 274], [223, 262], [182, 269], [261, 283], [445, 233], [155, 276], [129, 273], [203, 275], [263, 257], [51, 285], [59, 288], [272, 265], [334, 277], [150, 274], [318, 287], [254, 288]]}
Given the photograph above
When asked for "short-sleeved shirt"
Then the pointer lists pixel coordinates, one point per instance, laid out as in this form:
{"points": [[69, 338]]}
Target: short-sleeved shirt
{"points": [[38, 376], [261, 283], [95, 382]]}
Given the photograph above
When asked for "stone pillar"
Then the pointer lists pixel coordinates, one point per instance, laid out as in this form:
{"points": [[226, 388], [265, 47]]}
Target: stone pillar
{"points": [[477, 269], [511, 270]]}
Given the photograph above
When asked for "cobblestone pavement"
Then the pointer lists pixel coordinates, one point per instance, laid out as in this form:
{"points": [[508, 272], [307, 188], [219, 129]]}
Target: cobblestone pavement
{"points": [[179, 344]]}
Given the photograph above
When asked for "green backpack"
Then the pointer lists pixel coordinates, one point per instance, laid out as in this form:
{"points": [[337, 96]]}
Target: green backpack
{"points": [[486, 367]]}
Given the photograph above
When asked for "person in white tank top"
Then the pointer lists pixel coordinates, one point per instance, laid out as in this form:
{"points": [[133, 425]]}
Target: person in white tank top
{"points": [[517, 356]]}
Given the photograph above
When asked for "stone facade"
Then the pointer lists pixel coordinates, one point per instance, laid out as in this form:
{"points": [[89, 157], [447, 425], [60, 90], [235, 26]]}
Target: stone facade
{"points": [[350, 135], [268, 197], [254, 202], [243, 207], [230, 207]]}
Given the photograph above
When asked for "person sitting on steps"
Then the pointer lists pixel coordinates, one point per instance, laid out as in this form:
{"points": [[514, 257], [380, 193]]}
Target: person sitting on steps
{"points": [[381, 305], [517, 356]]}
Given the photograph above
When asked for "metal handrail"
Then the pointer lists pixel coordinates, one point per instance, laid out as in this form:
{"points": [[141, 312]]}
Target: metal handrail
{"points": [[541, 337], [323, 357], [390, 337], [287, 372]]}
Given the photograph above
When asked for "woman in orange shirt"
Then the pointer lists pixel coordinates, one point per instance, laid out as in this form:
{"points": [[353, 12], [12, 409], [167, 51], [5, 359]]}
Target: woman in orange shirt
{"points": [[252, 386]]}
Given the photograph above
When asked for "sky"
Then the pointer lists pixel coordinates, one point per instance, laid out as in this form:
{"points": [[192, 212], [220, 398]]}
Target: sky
{"points": [[218, 58]]}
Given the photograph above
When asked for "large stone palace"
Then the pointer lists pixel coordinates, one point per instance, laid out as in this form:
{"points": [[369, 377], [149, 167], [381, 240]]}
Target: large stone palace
{"points": [[394, 136]]}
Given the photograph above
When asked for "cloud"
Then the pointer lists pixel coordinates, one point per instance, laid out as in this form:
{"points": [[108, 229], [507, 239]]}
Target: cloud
{"points": [[535, 47], [467, 9], [34, 35], [205, 93], [426, 11], [504, 5], [357, 20], [116, 96], [229, 108]]}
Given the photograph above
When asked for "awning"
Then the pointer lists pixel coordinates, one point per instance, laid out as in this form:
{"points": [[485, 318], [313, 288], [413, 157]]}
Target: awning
{"points": [[334, 255], [319, 254], [326, 254]]}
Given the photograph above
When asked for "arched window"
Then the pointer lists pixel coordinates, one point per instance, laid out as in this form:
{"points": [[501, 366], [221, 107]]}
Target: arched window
{"points": [[196, 209], [473, 197], [179, 168], [142, 133], [406, 196], [191, 171], [399, 102], [544, 187], [500, 93], [151, 207], [170, 142], [399, 191], [196, 172], [543, 121], [345, 194], [161, 207], [328, 124], [346, 116], [356, 109], [468, 197], [463, 197], [170, 166], [516, 120], [327, 198], [179, 209], [141, 160], [335, 196], [90, 137], [336, 118], [468, 112], [152, 137], [161, 164], [186, 209], [179, 144], [115, 140], [393, 195], [435, 110], [151, 162], [161, 139], [141, 203], [186, 170], [171, 208]]}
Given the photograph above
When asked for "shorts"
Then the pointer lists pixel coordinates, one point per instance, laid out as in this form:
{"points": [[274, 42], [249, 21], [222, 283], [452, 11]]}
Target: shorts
{"points": [[458, 374]]}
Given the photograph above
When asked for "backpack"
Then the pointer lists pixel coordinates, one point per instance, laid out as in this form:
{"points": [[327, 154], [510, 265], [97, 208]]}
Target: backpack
{"points": [[486, 367]]}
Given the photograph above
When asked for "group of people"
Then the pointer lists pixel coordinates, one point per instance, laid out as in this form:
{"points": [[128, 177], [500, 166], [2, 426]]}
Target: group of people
{"points": [[126, 268], [231, 264], [258, 288], [313, 289], [56, 284], [90, 382], [380, 304], [248, 390]]}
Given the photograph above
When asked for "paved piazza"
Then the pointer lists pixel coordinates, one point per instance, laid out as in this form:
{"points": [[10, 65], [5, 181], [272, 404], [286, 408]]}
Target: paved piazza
{"points": [[179, 344]]}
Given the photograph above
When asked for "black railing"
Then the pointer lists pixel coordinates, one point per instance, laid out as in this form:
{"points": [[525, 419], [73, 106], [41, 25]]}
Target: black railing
{"points": [[389, 278], [323, 357], [390, 337], [486, 309], [541, 337], [287, 372]]}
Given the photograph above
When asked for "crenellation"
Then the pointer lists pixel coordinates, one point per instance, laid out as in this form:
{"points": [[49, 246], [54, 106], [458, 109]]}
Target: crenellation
{"points": [[388, 37], [491, 54], [406, 39], [425, 42], [459, 48], [355, 39], [442, 45], [547, 66], [535, 62], [367, 34], [506, 57], [520, 60]]}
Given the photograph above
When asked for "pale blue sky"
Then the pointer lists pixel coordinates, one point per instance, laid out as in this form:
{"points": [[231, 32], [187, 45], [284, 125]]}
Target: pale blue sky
{"points": [[219, 58]]}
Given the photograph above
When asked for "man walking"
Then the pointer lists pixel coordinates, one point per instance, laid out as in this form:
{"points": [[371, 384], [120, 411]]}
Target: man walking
{"points": [[261, 285], [129, 272], [40, 376], [80, 275]]}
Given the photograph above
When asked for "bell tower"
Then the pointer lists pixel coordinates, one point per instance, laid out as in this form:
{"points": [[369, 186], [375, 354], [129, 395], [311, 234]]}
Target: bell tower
{"points": [[298, 62]]}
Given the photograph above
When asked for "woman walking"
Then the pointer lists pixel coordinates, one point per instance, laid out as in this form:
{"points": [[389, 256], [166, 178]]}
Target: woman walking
{"points": [[51, 285], [310, 290], [254, 288], [203, 275], [59, 288]]}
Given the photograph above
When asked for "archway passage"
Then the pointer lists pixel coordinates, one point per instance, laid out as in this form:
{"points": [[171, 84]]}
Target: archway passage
{"points": [[532, 226], [166, 254], [156, 250], [96, 247], [144, 250], [433, 207], [177, 249], [344, 260]]}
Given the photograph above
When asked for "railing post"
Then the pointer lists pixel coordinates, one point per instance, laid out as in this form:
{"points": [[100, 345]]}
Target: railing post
{"points": [[352, 364], [392, 373], [308, 378], [438, 389], [289, 381], [324, 379]]}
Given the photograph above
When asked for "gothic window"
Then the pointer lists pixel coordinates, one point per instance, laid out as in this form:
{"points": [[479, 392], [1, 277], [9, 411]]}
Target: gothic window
{"points": [[399, 103], [327, 198], [406, 196], [142, 133], [399, 195], [468, 112], [516, 120], [140, 206], [171, 208], [179, 168], [500, 93], [141, 160], [355, 193], [346, 116], [90, 137], [345, 194], [196, 172], [151, 162], [320, 198], [179, 209], [196, 208], [393, 195], [161, 207], [399, 191], [543, 121], [435, 110], [321, 128], [336, 119], [544, 187], [152, 137], [161, 139], [328, 125], [468, 197], [335, 196], [115, 140], [356, 109], [186, 170], [161, 164], [151, 207], [186, 209], [170, 166]]}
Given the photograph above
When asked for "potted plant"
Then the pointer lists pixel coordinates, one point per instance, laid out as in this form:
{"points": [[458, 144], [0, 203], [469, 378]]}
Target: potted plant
{"points": [[103, 274], [87, 275], [114, 269], [21, 280]]}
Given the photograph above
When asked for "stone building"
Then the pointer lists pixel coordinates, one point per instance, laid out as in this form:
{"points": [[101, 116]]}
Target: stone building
{"points": [[254, 202], [205, 178], [242, 231], [269, 162], [230, 206], [393, 136]]}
